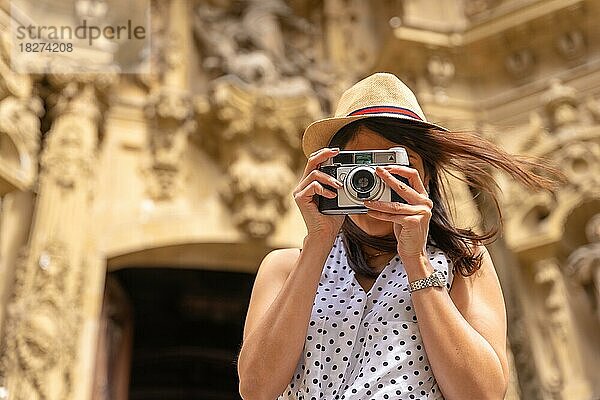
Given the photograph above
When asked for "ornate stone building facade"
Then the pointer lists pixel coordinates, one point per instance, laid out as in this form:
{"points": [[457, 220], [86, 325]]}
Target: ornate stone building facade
{"points": [[115, 188]]}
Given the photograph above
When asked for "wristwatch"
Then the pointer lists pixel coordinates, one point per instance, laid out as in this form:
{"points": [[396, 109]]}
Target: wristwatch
{"points": [[435, 279]]}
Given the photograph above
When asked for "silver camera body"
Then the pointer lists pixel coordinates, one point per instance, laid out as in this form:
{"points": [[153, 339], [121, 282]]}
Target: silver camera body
{"points": [[356, 171]]}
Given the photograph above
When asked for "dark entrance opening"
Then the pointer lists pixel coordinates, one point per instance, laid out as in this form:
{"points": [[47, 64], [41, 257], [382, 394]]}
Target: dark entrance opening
{"points": [[187, 331]]}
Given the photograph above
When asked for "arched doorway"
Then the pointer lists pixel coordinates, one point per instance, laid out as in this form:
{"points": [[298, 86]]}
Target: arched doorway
{"points": [[186, 329]]}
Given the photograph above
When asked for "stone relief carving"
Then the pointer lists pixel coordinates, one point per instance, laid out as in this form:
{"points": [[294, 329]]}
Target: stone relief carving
{"points": [[520, 63], [44, 315], [561, 106], [43, 324], [66, 164], [520, 343], [260, 42], [20, 112], [259, 154], [580, 161], [562, 371], [560, 132], [229, 33], [171, 119], [169, 107], [554, 323], [571, 44], [261, 69], [583, 265]]}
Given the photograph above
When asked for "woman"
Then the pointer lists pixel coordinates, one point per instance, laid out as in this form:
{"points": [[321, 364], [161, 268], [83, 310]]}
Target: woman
{"points": [[396, 303]]}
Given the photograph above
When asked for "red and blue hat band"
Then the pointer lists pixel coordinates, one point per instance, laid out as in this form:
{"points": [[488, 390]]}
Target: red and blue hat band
{"points": [[385, 110]]}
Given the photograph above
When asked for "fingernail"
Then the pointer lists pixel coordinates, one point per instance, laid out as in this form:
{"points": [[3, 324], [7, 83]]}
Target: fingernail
{"points": [[335, 149], [339, 184]]}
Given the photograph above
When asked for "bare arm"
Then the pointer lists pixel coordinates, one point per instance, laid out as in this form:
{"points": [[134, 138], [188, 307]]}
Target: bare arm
{"points": [[464, 332], [278, 317], [284, 292]]}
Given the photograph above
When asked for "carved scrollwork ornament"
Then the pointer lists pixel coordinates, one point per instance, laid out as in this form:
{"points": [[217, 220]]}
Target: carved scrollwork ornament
{"points": [[583, 265], [520, 63], [170, 114], [562, 105], [571, 44], [43, 322], [580, 161], [255, 137]]}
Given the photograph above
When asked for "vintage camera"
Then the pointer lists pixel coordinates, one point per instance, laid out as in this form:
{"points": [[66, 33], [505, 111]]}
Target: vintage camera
{"points": [[356, 170]]}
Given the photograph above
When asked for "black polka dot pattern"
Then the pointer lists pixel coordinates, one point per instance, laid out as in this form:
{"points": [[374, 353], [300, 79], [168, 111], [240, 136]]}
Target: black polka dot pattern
{"points": [[365, 345]]}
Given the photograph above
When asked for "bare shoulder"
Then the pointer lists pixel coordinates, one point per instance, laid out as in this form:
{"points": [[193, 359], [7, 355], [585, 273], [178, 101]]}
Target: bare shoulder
{"points": [[279, 262], [270, 278]]}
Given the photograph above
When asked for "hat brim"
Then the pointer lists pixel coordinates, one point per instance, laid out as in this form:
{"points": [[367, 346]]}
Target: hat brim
{"points": [[318, 134]]}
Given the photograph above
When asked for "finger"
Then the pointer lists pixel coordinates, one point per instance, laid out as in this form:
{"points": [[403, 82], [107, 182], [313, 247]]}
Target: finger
{"points": [[322, 177], [414, 179], [314, 188], [317, 158], [409, 221], [383, 216], [393, 207], [405, 191]]}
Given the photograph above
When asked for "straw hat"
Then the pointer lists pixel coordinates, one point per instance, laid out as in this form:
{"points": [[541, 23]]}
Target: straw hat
{"points": [[379, 95]]}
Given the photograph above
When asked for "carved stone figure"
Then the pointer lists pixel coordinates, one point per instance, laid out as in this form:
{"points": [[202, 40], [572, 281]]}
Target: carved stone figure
{"points": [[170, 114], [169, 109], [554, 324], [562, 376], [259, 154], [584, 264]]}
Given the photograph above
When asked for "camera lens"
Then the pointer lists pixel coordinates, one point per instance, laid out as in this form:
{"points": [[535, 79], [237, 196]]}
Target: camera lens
{"points": [[363, 181]]}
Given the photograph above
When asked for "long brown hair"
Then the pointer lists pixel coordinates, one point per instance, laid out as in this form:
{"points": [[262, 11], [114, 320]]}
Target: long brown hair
{"points": [[464, 152]]}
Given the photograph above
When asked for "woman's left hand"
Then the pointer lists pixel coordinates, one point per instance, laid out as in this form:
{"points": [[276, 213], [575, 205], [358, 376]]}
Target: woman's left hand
{"points": [[411, 220]]}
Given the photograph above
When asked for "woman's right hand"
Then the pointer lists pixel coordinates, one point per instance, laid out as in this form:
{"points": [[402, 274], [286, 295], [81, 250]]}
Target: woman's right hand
{"points": [[311, 185]]}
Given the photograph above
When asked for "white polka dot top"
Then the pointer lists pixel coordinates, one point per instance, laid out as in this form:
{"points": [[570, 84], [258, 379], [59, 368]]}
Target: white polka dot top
{"points": [[361, 345]]}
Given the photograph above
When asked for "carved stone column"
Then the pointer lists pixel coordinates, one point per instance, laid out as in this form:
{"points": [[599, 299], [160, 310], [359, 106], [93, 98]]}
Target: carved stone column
{"points": [[57, 279], [20, 109], [562, 374], [169, 108]]}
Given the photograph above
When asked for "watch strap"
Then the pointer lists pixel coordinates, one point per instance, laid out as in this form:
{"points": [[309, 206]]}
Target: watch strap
{"points": [[436, 279]]}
